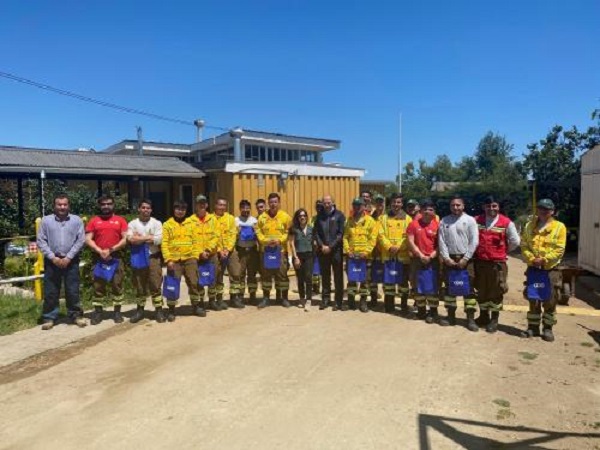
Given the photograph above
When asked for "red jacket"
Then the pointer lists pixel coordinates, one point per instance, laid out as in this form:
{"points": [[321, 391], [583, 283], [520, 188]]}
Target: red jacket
{"points": [[493, 243]]}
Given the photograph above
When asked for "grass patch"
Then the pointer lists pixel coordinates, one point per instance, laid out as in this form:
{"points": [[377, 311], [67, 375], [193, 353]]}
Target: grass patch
{"points": [[587, 344], [528, 356], [502, 403], [18, 313], [513, 368], [504, 414]]}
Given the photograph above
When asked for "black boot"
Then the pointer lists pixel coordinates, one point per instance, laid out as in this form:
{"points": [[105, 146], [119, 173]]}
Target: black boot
{"points": [[363, 305], [352, 302], [171, 313], [421, 313], [389, 304], [324, 303], [236, 302], [118, 317], [316, 288], [284, 299], [252, 298], [198, 309], [263, 303], [220, 303], [531, 331], [160, 315], [547, 334], [492, 326], [432, 317], [373, 302], [138, 314], [404, 309], [484, 318], [212, 304], [97, 315], [450, 319], [471, 325]]}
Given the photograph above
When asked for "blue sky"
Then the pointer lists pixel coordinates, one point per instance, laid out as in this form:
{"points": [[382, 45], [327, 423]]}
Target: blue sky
{"points": [[334, 69]]}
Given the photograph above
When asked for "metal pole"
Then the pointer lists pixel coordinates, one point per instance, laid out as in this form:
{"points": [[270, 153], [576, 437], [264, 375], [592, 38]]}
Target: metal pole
{"points": [[400, 153], [42, 201], [140, 141]]}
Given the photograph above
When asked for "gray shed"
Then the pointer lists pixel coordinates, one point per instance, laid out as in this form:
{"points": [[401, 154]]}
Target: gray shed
{"points": [[589, 224]]}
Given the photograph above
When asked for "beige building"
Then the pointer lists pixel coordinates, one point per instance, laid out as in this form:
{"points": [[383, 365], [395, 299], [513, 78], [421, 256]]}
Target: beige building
{"points": [[589, 223]]}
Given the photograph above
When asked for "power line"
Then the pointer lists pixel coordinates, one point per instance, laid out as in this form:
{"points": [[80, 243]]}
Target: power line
{"points": [[83, 98]]}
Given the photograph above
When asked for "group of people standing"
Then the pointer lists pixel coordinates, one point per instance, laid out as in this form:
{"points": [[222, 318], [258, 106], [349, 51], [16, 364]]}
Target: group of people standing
{"points": [[407, 249]]}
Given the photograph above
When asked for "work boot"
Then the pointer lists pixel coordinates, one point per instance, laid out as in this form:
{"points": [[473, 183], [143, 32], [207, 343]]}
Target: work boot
{"points": [[324, 303], [352, 302], [433, 316], [198, 309], [97, 315], [471, 325], [48, 325], [531, 331], [277, 296], [404, 309], [492, 327], [484, 318], [450, 319], [236, 302], [252, 298], [421, 313], [363, 305], [220, 303], [263, 303], [284, 299], [138, 314], [79, 321], [118, 317], [171, 314], [547, 334], [389, 304], [212, 304], [160, 315], [373, 302], [316, 288]]}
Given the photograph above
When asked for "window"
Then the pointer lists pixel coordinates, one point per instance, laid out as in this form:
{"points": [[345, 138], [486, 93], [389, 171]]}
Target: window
{"points": [[276, 155], [262, 154]]}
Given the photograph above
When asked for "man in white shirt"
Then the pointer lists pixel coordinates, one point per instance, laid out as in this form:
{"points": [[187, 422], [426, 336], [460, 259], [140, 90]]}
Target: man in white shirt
{"points": [[144, 234]]}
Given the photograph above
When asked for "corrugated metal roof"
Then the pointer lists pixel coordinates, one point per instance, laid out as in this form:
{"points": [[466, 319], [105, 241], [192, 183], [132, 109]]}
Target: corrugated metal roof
{"points": [[83, 162]]}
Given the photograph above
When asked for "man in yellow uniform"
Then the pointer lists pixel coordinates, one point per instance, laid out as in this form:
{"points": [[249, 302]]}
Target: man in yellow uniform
{"points": [[227, 232], [543, 242], [360, 237], [179, 252], [393, 246], [207, 245], [272, 231]]}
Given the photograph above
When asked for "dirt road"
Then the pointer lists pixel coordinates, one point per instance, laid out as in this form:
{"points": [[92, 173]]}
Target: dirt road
{"points": [[281, 378]]}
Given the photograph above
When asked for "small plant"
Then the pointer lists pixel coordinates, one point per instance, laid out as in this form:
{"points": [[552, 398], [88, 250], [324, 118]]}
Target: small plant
{"points": [[587, 344], [504, 414], [528, 356], [502, 403]]}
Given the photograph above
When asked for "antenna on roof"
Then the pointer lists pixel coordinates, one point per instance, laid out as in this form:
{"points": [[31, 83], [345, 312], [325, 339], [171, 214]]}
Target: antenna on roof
{"points": [[140, 141], [199, 123]]}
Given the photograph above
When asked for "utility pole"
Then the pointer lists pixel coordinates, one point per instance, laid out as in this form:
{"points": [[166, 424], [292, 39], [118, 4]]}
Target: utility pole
{"points": [[400, 153], [140, 140]]}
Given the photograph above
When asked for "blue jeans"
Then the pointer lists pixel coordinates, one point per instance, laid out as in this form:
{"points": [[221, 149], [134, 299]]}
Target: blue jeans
{"points": [[53, 278]]}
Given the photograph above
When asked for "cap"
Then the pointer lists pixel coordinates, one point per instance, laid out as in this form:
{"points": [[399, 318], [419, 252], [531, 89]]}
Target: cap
{"points": [[412, 201], [201, 199], [379, 198], [545, 203], [358, 201]]}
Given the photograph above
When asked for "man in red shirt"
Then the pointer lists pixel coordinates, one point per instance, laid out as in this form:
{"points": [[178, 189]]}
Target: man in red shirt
{"points": [[422, 241], [105, 235]]}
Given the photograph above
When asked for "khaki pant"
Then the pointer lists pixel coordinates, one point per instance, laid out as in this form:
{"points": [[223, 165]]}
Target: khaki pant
{"points": [[189, 269], [548, 318], [148, 281], [280, 276], [490, 282], [116, 286], [470, 300], [243, 267], [354, 288], [421, 300], [398, 289]]}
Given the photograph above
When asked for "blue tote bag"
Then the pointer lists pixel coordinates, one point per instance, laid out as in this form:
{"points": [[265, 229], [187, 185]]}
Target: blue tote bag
{"points": [[357, 270], [427, 281], [105, 270], [171, 285], [206, 273], [247, 234], [140, 256], [272, 258], [377, 271], [316, 267], [458, 283], [393, 272], [539, 287]]}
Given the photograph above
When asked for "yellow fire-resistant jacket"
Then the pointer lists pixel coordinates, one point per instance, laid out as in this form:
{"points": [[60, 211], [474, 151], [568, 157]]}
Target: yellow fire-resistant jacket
{"points": [[227, 231], [392, 232], [548, 243], [360, 236], [207, 233], [277, 227], [179, 240]]}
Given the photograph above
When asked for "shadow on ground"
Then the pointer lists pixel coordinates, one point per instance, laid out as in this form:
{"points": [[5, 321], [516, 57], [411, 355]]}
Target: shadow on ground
{"points": [[450, 427]]}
